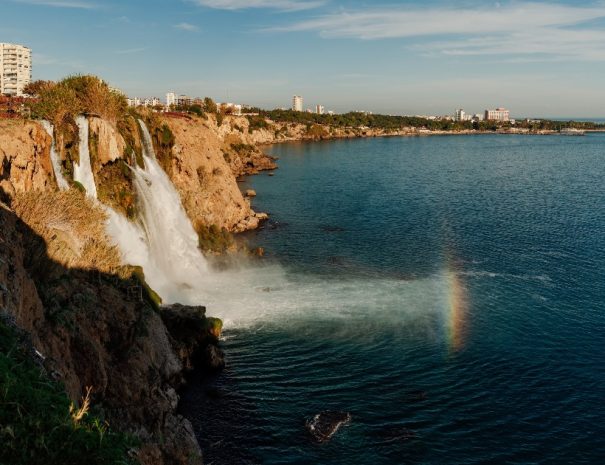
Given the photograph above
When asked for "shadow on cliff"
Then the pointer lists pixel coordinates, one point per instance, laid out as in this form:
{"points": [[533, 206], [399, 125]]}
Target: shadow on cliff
{"points": [[94, 329]]}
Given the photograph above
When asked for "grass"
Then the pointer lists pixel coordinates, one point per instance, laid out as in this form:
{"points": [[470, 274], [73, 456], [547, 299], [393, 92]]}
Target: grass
{"points": [[72, 228], [39, 425]]}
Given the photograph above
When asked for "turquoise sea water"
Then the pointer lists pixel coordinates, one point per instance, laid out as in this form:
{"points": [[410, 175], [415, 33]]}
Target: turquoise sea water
{"points": [[458, 307]]}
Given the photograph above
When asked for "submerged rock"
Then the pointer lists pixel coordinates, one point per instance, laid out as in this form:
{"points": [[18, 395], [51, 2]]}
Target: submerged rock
{"points": [[325, 424]]}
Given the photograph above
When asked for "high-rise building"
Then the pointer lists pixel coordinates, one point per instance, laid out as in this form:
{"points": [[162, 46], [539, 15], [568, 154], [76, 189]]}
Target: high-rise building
{"points": [[460, 115], [297, 103], [170, 99], [15, 68], [319, 109], [499, 114]]}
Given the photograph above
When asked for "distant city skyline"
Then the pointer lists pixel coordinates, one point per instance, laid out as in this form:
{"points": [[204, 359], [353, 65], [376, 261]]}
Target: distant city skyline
{"points": [[539, 59]]}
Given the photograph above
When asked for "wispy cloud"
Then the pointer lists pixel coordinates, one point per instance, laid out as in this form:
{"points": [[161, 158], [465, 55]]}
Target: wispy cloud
{"points": [[187, 27], [516, 28], [129, 51], [282, 5], [61, 3]]}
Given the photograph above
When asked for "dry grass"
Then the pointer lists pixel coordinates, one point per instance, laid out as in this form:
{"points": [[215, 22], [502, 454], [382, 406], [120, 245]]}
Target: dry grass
{"points": [[77, 414], [72, 227]]}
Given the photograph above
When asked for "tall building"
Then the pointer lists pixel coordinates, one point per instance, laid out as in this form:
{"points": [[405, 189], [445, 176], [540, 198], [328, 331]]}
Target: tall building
{"points": [[499, 114], [297, 103], [170, 99], [319, 109], [460, 115], [15, 68]]}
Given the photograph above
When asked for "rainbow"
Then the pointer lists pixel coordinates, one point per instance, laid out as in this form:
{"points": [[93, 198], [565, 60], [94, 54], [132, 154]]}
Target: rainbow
{"points": [[456, 308]]}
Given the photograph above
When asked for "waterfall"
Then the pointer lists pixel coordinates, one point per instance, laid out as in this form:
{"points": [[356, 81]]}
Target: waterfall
{"points": [[164, 242], [54, 157], [83, 169]]}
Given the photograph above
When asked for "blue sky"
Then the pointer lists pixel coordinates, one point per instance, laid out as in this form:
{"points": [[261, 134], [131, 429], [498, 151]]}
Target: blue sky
{"points": [[399, 57]]}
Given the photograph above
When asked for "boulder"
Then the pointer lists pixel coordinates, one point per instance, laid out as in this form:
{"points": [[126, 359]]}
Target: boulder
{"points": [[325, 424], [250, 193]]}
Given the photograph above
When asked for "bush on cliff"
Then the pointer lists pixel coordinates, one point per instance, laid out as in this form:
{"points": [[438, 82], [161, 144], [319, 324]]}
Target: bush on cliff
{"points": [[36, 425], [214, 239], [62, 101]]}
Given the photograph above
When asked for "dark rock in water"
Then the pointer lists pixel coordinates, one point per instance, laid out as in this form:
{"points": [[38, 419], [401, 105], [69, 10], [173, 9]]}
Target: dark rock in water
{"points": [[325, 424], [194, 336], [213, 358], [272, 224], [331, 228]]}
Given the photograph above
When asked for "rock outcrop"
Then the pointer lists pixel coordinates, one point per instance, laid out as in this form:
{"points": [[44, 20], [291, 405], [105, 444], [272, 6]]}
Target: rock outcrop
{"points": [[204, 178], [24, 158], [94, 326]]}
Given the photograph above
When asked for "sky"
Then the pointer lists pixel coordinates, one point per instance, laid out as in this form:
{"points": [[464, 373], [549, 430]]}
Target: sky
{"points": [[538, 59]]}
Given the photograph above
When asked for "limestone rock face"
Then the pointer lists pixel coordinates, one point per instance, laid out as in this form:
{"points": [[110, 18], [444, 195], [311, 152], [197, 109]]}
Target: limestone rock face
{"points": [[24, 157], [203, 178], [110, 144]]}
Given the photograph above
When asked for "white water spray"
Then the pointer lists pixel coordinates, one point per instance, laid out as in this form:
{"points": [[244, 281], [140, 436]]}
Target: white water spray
{"points": [[165, 245], [54, 157], [83, 169]]}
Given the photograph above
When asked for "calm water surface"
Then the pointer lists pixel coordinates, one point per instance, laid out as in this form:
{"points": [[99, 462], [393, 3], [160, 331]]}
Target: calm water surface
{"points": [[472, 269]]}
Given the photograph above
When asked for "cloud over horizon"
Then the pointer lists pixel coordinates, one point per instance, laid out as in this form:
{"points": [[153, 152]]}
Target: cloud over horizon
{"points": [[545, 30]]}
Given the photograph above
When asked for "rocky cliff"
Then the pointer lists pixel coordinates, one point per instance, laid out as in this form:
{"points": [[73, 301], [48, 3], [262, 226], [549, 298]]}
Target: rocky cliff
{"points": [[93, 324], [93, 321]]}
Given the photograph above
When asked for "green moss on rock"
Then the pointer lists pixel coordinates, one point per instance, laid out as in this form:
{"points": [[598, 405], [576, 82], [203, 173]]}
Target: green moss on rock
{"points": [[148, 293]]}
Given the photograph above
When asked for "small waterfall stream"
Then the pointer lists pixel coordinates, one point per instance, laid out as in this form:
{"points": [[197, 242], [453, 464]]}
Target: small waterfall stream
{"points": [[83, 169], [54, 157]]}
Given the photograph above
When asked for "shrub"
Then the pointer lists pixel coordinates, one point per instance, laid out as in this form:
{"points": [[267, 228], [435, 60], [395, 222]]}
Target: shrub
{"points": [[210, 106], [256, 123], [74, 95], [214, 239]]}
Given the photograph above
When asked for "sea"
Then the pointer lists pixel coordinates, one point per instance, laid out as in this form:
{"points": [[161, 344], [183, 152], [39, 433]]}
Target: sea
{"points": [[448, 292]]}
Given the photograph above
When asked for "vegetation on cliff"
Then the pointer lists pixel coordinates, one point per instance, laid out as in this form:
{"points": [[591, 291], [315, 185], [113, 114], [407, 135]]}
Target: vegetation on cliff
{"points": [[393, 122], [38, 423], [60, 102]]}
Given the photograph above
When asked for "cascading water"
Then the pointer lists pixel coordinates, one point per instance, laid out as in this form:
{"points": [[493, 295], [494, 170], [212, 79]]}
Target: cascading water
{"points": [[164, 243], [54, 157], [83, 169]]}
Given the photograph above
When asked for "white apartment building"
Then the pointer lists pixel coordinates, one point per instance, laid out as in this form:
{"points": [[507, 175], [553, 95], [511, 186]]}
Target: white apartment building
{"points": [[170, 99], [319, 109], [297, 103], [460, 115], [499, 114], [15, 68]]}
